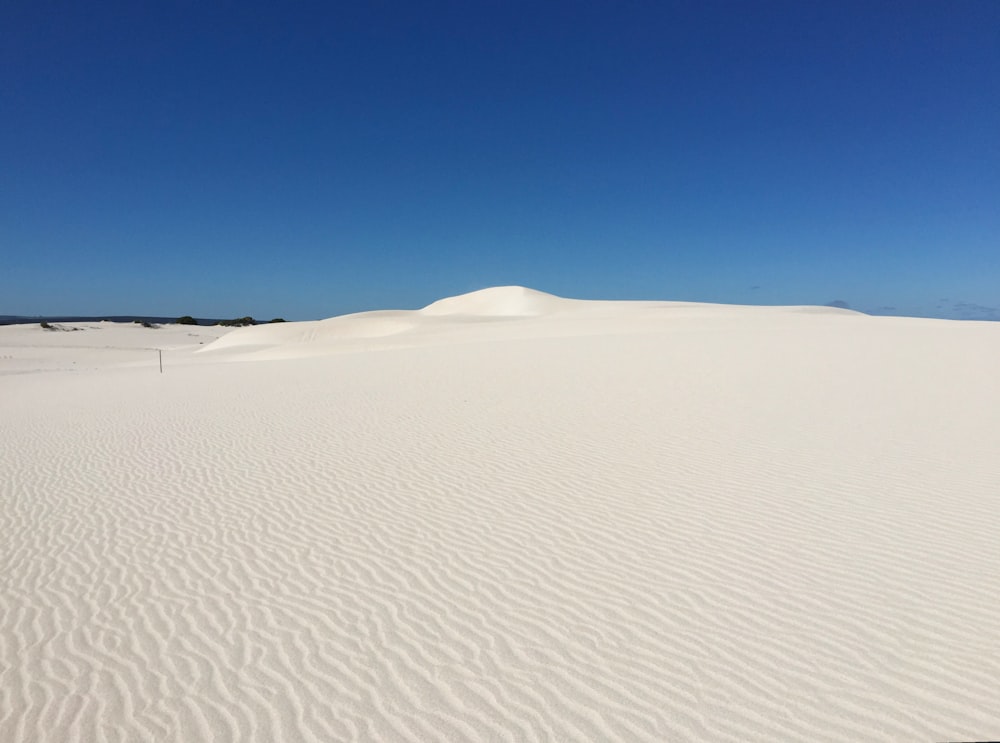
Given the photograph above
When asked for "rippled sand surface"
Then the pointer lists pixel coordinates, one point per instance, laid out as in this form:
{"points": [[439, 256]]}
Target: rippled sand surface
{"points": [[506, 517]]}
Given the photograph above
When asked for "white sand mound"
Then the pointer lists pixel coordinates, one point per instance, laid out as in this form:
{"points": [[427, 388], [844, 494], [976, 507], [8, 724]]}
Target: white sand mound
{"points": [[445, 321], [499, 313], [499, 301], [577, 522], [315, 336]]}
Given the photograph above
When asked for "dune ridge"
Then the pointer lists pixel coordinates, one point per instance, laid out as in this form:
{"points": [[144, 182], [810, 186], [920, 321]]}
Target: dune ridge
{"points": [[497, 313], [511, 518]]}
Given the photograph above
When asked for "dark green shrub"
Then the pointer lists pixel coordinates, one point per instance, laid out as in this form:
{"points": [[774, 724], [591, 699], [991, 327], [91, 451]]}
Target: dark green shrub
{"points": [[278, 319], [239, 322], [186, 320]]}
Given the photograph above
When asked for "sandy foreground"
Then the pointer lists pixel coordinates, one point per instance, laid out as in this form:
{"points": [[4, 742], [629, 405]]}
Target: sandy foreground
{"points": [[505, 517]]}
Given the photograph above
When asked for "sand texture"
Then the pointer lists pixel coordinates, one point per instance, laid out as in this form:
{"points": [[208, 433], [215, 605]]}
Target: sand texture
{"points": [[505, 517]]}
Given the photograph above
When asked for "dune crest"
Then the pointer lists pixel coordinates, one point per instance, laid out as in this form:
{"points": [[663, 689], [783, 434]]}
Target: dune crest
{"points": [[493, 314], [499, 301]]}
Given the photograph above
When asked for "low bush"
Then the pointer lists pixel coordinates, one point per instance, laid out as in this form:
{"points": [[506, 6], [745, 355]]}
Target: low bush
{"points": [[239, 322]]}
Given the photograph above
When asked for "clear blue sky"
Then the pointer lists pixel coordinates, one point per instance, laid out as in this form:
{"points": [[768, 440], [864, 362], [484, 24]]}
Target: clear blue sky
{"points": [[306, 160]]}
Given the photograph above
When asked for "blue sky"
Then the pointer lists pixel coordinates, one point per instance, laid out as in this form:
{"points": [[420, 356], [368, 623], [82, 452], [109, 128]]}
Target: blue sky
{"points": [[306, 160]]}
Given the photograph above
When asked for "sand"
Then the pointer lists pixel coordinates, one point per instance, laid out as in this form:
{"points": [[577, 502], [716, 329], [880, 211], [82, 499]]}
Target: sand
{"points": [[505, 517]]}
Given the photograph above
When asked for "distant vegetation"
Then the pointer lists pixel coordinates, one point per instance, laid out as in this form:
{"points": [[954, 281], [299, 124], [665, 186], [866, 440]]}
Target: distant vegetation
{"points": [[48, 326], [239, 322]]}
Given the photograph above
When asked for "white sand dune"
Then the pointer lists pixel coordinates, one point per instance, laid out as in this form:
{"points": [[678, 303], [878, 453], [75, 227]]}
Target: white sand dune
{"points": [[507, 516], [489, 315]]}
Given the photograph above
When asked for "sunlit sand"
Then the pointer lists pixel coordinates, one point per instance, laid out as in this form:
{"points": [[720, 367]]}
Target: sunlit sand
{"points": [[505, 517]]}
